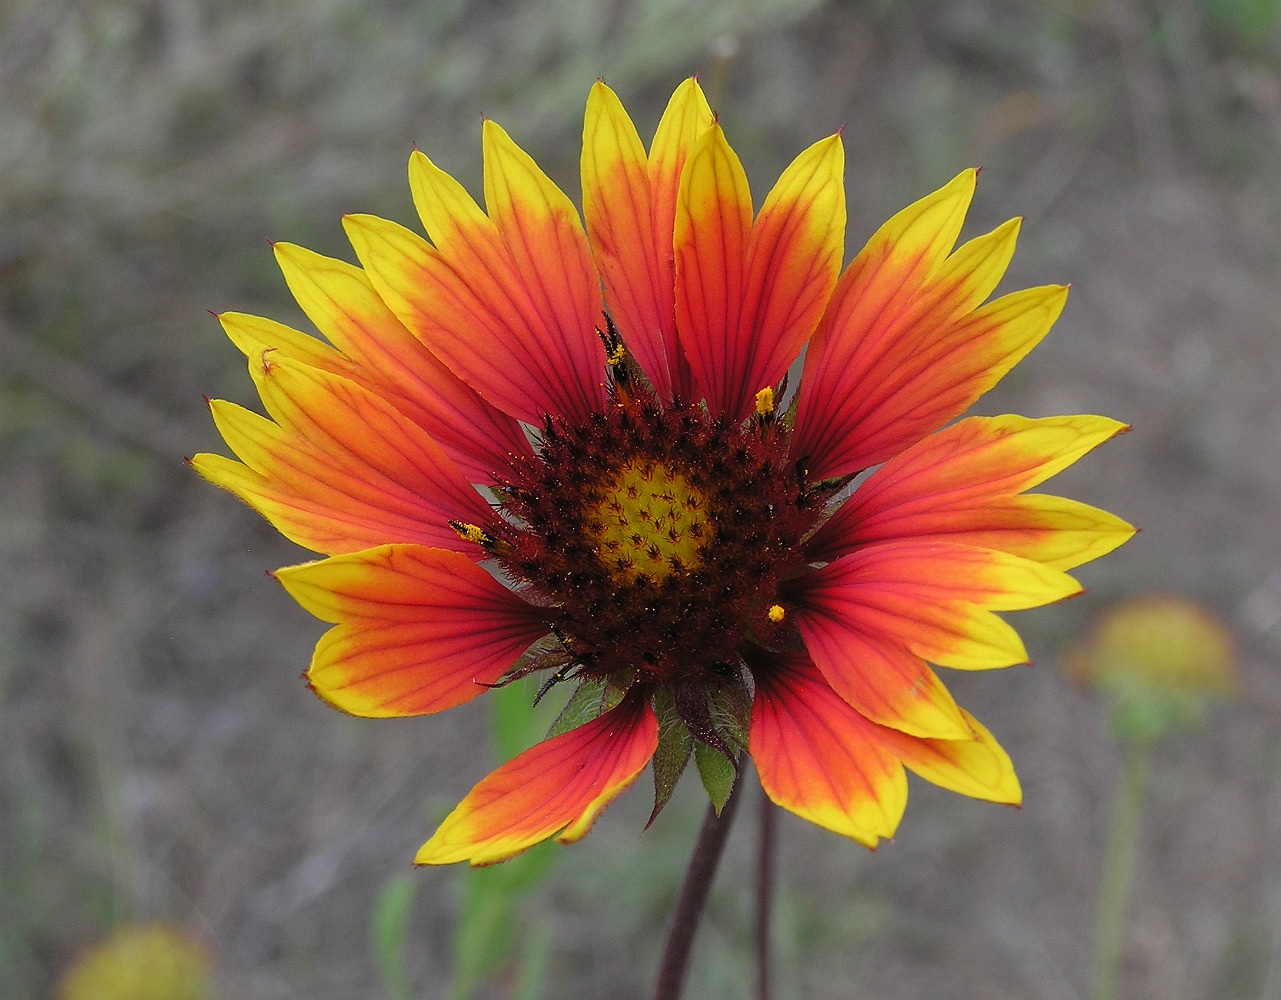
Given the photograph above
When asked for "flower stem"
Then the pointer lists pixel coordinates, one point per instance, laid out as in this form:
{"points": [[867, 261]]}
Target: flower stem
{"points": [[694, 892], [1118, 871], [765, 894]]}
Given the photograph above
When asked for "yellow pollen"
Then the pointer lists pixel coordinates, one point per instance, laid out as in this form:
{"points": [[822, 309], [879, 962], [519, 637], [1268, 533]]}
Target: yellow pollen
{"points": [[775, 613], [616, 356], [765, 403], [471, 533], [650, 522]]}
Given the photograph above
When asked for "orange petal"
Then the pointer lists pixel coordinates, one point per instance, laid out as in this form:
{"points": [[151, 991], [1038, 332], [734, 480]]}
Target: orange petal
{"points": [[468, 303], [882, 680], [902, 348], [386, 357], [559, 787], [935, 600], [712, 230], [544, 236], [418, 629], [793, 261], [819, 758], [960, 486], [686, 117], [748, 295], [977, 767], [633, 255], [340, 469]]}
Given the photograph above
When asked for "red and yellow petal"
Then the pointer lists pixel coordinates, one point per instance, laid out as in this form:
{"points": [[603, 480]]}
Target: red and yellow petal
{"points": [[544, 236], [417, 629], [878, 287], [340, 469], [616, 208], [510, 303], [883, 680], [254, 334], [934, 599], [748, 295], [902, 349], [686, 117], [712, 229], [383, 354], [961, 484], [977, 767], [819, 758], [556, 788], [629, 204], [793, 261]]}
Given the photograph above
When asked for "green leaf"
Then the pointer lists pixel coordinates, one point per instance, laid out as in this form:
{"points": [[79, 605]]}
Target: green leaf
{"points": [[547, 653], [585, 704], [717, 773], [675, 746], [387, 924], [617, 686], [731, 710]]}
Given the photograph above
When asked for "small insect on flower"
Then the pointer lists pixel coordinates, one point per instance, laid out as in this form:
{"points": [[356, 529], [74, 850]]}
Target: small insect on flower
{"points": [[681, 526]]}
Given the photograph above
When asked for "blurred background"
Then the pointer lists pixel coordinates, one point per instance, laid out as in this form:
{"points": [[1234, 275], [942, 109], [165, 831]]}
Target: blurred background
{"points": [[160, 760]]}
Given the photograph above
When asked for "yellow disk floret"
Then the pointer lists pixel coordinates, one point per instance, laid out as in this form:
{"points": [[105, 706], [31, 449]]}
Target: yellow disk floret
{"points": [[650, 522]]}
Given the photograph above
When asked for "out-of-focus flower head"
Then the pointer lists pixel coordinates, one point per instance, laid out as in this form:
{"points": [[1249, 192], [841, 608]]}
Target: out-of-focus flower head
{"points": [[141, 962], [1160, 659]]}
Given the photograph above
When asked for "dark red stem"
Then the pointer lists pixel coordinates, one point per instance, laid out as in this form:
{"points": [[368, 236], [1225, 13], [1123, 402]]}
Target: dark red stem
{"points": [[694, 892], [765, 894]]}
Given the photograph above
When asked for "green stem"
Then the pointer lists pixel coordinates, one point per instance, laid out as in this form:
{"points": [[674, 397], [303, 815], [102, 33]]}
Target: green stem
{"points": [[1118, 871]]}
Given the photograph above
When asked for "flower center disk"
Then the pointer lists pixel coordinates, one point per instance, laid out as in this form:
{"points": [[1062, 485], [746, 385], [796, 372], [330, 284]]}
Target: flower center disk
{"points": [[655, 538], [650, 522]]}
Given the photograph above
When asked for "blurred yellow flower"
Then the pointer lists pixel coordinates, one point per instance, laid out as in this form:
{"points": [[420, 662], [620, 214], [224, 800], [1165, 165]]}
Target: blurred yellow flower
{"points": [[1160, 658], [141, 962]]}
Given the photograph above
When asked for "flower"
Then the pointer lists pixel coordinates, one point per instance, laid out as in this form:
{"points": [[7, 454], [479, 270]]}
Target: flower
{"points": [[149, 961], [1159, 644], [509, 473], [1160, 659]]}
